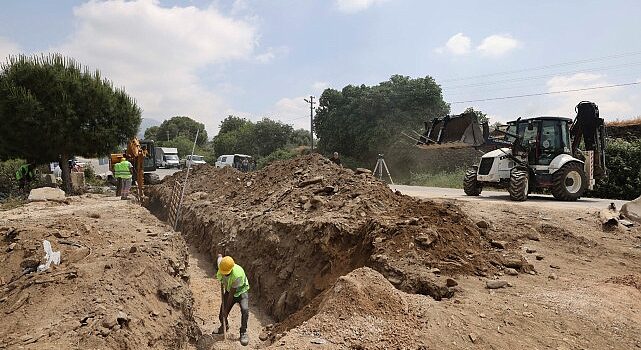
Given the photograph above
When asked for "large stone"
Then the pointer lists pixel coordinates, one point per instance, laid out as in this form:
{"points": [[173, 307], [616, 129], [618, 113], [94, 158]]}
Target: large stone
{"points": [[47, 194], [495, 284], [632, 210], [77, 181]]}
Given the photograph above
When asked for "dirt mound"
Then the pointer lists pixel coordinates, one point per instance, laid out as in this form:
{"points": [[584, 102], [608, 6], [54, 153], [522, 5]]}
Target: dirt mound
{"points": [[121, 282], [298, 225], [627, 280]]}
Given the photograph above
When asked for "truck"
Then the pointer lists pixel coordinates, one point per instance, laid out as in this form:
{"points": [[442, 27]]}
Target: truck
{"points": [[191, 161], [167, 157], [233, 160]]}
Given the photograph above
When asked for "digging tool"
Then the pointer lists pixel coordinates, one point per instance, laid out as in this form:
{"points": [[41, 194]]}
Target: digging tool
{"points": [[222, 300]]}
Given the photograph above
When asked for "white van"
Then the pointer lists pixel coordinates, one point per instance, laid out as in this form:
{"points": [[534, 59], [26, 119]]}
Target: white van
{"points": [[233, 160], [167, 157]]}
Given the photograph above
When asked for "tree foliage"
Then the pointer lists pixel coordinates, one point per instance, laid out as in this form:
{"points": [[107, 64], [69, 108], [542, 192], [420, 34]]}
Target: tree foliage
{"points": [[152, 133], [181, 126], [51, 106], [623, 160], [260, 139], [361, 121], [482, 117]]}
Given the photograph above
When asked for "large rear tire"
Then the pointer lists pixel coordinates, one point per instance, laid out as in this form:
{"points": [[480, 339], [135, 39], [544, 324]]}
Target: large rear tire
{"points": [[471, 186], [519, 185], [569, 182]]}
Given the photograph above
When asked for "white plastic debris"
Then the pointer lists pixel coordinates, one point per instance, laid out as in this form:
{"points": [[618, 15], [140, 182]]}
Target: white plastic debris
{"points": [[50, 255]]}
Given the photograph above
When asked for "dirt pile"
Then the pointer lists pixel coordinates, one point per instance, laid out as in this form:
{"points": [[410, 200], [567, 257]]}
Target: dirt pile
{"points": [[121, 283], [297, 225]]}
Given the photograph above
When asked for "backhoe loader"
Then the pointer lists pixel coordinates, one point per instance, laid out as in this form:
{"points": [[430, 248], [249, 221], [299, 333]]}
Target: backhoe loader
{"points": [[558, 154], [141, 154]]}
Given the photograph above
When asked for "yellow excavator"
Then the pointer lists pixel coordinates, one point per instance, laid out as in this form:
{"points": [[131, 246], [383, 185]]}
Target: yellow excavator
{"points": [[141, 154]]}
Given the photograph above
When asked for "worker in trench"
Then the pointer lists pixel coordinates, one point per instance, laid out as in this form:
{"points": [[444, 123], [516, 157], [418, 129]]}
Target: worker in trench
{"points": [[235, 290]]}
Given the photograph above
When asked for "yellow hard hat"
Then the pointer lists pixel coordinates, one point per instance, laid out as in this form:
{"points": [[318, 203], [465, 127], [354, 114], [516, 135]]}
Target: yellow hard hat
{"points": [[226, 264]]}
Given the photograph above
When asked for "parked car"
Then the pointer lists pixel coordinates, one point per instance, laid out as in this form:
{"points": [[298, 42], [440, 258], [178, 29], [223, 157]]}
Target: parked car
{"points": [[236, 161], [192, 161]]}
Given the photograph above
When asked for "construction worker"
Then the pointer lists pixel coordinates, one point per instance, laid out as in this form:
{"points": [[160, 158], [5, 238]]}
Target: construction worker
{"points": [[336, 159], [235, 287], [123, 172], [25, 174]]}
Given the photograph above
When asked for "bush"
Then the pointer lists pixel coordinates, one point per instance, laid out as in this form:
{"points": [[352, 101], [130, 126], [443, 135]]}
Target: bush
{"points": [[623, 161], [278, 154], [8, 183], [447, 179]]}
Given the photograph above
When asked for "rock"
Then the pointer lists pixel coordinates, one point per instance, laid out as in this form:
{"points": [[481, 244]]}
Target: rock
{"points": [[46, 194], [495, 284], [555, 266], [263, 336], [11, 247], [498, 244], [510, 271], [133, 249], [199, 195], [318, 341], [325, 190], [482, 224], [473, 337], [435, 271], [533, 235], [303, 199], [552, 277], [513, 262], [110, 321], [311, 181], [94, 216], [632, 210], [363, 171], [425, 239], [530, 250], [451, 282], [539, 257]]}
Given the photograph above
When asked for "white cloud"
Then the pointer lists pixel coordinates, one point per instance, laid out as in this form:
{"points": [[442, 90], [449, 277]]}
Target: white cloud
{"points": [[498, 45], [157, 53], [613, 102], [319, 86], [458, 44], [353, 6], [293, 111], [272, 53], [7, 47]]}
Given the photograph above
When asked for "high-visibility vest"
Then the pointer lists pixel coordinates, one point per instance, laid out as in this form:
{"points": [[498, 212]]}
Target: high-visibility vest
{"points": [[236, 272], [121, 170]]}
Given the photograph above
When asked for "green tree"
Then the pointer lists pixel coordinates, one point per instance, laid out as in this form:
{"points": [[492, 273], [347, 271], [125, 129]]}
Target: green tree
{"points": [[52, 108], [300, 137], [362, 121], [482, 117], [270, 135], [181, 126], [232, 123], [152, 133], [238, 135]]}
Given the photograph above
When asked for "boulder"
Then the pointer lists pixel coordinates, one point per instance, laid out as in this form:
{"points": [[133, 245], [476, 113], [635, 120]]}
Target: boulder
{"points": [[47, 194], [632, 210]]}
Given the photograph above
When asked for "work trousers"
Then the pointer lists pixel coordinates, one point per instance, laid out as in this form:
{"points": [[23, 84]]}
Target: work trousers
{"points": [[243, 301], [125, 185]]}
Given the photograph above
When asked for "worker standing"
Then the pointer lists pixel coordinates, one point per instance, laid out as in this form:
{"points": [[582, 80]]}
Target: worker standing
{"points": [[123, 172], [235, 287], [336, 158], [25, 174]]}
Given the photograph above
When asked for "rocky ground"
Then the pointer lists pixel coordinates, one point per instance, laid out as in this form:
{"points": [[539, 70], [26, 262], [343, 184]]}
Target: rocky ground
{"points": [[336, 260]]}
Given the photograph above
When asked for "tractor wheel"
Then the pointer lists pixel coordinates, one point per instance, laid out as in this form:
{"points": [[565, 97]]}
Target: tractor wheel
{"points": [[471, 186], [519, 183], [569, 182]]}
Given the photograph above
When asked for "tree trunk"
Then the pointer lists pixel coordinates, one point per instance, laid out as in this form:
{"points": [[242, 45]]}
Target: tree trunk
{"points": [[66, 173]]}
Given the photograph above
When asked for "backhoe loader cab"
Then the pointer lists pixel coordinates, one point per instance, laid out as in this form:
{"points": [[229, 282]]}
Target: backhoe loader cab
{"points": [[531, 154]]}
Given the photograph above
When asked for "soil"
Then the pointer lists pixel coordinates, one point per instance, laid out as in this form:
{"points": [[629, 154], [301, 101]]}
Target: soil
{"points": [[336, 260]]}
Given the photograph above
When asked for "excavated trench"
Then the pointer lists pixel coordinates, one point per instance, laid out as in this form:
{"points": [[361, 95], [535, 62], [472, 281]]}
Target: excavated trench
{"points": [[295, 241]]}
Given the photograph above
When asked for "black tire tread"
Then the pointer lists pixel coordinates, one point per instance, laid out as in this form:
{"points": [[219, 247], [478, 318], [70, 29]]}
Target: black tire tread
{"points": [[558, 182], [470, 184], [518, 181]]}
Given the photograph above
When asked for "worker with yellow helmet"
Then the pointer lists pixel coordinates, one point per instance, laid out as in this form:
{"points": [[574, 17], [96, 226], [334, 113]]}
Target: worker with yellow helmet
{"points": [[235, 286]]}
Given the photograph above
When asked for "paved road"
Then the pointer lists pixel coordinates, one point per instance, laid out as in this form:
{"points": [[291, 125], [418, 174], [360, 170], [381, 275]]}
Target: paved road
{"points": [[535, 200], [166, 172]]}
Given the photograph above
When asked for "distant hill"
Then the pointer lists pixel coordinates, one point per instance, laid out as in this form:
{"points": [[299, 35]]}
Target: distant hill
{"points": [[146, 124]]}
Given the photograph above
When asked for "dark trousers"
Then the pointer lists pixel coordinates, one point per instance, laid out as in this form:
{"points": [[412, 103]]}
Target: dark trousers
{"points": [[243, 301]]}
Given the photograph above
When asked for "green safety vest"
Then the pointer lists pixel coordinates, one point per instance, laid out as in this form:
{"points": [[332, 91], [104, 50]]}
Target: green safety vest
{"points": [[121, 170], [236, 272]]}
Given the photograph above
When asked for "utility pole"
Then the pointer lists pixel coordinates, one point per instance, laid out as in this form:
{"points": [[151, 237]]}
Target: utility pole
{"points": [[311, 118]]}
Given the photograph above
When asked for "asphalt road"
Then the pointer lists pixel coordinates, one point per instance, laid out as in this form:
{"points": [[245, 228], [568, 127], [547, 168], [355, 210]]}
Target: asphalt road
{"points": [[166, 172], [534, 200]]}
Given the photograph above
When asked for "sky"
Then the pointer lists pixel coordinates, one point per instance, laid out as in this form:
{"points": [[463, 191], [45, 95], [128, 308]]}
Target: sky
{"points": [[261, 58]]}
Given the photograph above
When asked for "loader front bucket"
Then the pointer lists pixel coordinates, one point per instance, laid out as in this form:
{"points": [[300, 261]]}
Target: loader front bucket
{"points": [[453, 131]]}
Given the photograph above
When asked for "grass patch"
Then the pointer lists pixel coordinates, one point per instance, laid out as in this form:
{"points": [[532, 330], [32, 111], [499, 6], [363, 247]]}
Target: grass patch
{"points": [[625, 122], [447, 179]]}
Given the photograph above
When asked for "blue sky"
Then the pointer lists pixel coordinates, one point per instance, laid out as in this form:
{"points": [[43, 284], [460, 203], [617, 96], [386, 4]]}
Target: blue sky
{"points": [[257, 58]]}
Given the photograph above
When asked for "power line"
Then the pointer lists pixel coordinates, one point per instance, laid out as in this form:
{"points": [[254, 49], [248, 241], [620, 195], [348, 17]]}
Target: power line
{"points": [[542, 76], [602, 58], [548, 93]]}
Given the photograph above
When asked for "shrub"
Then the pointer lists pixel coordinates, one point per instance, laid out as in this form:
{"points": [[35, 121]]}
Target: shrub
{"points": [[278, 154], [8, 183], [623, 161]]}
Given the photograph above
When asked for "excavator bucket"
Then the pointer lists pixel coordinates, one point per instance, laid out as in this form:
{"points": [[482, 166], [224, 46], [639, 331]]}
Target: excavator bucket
{"points": [[454, 131]]}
